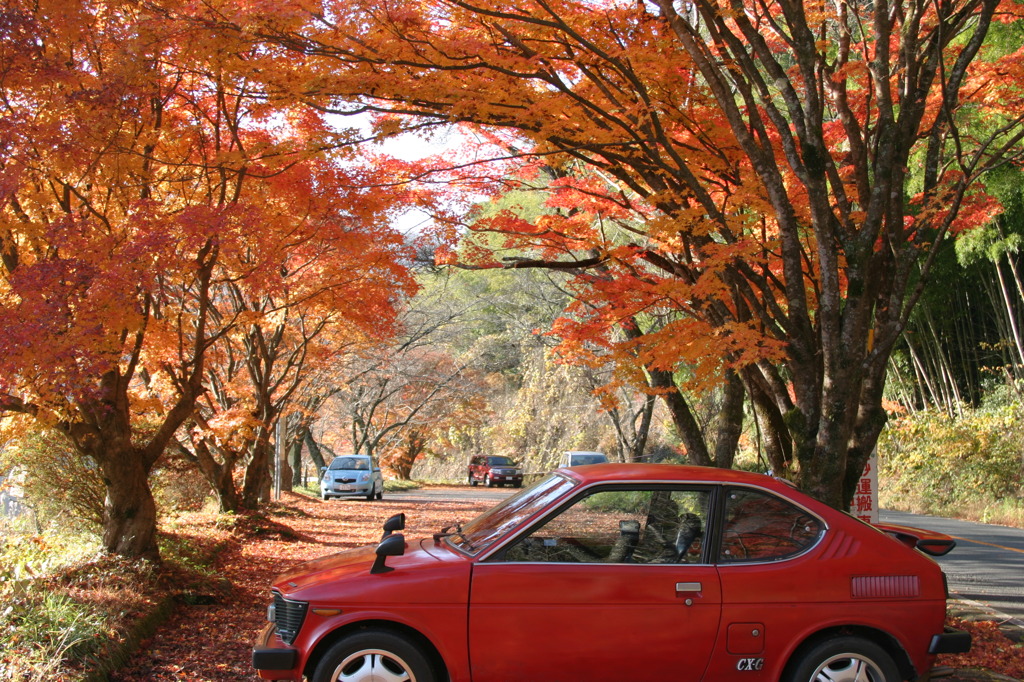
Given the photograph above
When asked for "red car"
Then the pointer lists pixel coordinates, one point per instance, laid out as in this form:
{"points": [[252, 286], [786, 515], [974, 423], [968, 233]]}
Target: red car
{"points": [[623, 572]]}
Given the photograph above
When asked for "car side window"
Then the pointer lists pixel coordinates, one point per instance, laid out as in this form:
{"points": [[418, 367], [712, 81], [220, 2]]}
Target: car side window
{"points": [[652, 526], [761, 527]]}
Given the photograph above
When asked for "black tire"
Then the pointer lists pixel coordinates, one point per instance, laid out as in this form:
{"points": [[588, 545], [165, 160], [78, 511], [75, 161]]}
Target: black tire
{"points": [[370, 495], [841, 658], [488, 483], [380, 493], [472, 481], [356, 655]]}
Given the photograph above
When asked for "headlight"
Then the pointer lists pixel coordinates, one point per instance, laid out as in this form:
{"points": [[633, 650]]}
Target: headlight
{"points": [[364, 477]]}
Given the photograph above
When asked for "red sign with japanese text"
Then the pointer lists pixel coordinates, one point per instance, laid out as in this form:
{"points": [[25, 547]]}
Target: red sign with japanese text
{"points": [[865, 499]]}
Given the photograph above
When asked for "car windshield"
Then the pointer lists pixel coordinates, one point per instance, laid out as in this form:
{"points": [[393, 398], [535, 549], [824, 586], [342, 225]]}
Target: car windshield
{"points": [[350, 463], [577, 460], [500, 461], [496, 522]]}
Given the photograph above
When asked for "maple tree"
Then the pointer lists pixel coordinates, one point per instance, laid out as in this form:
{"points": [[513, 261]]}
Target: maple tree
{"points": [[742, 170], [147, 180], [336, 279], [398, 400]]}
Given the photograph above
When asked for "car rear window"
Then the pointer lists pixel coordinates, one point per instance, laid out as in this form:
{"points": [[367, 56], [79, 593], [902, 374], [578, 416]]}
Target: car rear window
{"points": [[762, 527]]}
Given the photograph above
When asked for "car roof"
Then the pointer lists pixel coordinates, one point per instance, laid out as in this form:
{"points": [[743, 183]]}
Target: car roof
{"points": [[346, 456], [616, 472]]}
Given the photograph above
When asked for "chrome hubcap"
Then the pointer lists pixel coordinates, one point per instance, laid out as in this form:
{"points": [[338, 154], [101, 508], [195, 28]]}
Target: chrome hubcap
{"points": [[848, 668], [373, 665]]}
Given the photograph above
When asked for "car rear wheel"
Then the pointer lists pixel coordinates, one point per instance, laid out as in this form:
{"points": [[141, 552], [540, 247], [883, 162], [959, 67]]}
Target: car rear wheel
{"points": [[373, 655], [845, 659], [487, 481]]}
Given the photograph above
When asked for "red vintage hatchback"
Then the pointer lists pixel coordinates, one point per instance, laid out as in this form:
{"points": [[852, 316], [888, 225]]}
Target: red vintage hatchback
{"points": [[627, 573]]}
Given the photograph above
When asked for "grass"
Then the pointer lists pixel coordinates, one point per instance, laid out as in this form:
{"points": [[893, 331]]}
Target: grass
{"points": [[1005, 512], [71, 611]]}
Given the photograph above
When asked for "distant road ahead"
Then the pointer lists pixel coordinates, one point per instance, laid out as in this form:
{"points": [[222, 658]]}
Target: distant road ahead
{"points": [[987, 564]]}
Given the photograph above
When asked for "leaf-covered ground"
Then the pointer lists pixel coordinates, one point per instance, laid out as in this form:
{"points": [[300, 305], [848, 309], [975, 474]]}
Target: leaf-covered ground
{"points": [[210, 635]]}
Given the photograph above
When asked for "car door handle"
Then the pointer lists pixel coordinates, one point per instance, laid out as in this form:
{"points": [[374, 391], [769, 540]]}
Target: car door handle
{"points": [[689, 587]]}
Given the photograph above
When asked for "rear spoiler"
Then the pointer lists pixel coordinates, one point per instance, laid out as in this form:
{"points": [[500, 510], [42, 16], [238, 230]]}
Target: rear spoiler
{"points": [[929, 542]]}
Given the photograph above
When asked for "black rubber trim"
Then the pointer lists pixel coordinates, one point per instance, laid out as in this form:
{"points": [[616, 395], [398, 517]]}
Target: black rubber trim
{"points": [[952, 641], [272, 658]]}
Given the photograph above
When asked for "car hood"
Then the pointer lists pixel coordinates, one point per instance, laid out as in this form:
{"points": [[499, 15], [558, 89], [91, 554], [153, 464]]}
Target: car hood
{"points": [[357, 562], [346, 576], [330, 567]]}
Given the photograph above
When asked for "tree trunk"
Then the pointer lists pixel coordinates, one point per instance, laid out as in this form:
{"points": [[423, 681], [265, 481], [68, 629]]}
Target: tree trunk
{"points": [[257, 484], [730, 421], [643, 431], [218, 473], [295, 461], [314, 450], [129, 513], [683, 419], [771, 425]]}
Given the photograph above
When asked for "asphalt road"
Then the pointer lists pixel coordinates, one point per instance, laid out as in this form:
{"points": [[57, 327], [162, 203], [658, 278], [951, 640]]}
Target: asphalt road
{"points": [[986, 566], [467, 493]]}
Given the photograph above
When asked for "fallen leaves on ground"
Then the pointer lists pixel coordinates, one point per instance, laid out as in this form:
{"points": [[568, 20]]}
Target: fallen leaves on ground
{"points": [[990, 649]]}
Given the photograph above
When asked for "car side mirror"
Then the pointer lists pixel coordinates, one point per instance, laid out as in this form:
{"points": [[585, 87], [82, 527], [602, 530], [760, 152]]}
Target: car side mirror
{"points": [[395, 522], [392, 545], [630, 529]]}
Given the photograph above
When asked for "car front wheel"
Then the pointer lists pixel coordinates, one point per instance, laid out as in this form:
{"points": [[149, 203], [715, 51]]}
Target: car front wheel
{"points": [[487, 481], [472, 481], [373, 655], [844, 659]]}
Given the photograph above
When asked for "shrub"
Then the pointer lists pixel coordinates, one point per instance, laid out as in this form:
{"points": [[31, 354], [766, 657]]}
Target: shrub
{"points": [[60, 486], [929, 462], [178, 486]]}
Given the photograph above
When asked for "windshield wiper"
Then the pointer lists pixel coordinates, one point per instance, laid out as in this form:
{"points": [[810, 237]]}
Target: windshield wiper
{"points": [[453, 530]]}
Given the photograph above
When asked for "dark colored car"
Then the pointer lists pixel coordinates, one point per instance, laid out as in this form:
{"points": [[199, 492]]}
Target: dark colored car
{"points": [[494, 470], [623, 572]]}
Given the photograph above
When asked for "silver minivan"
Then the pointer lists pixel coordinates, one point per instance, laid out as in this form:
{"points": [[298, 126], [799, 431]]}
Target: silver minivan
{"points": [[575, 458]]}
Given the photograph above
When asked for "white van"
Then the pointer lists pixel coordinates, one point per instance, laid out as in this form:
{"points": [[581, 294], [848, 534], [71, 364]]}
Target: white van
{"points": [[575, 458]]}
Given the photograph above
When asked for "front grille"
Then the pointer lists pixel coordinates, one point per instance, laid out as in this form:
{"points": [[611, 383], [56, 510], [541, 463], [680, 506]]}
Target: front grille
{"points": [[288, 616]]}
